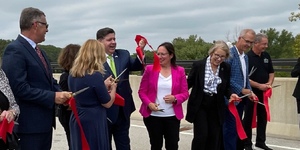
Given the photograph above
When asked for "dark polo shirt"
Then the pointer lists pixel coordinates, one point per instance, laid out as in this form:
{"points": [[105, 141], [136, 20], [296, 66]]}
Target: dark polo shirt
{"points": [[263, 65]]}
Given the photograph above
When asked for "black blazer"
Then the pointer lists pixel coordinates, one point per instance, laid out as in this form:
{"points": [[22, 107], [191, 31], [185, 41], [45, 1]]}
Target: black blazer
{"points": [[196, 82], [296, 73]]}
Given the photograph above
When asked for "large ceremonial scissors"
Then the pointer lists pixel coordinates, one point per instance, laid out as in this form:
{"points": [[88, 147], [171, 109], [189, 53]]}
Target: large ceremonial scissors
{"points": [[80, 91]]}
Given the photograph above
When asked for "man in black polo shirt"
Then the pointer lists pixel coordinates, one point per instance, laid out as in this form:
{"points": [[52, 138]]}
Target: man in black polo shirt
{"points": [[261, 75]]}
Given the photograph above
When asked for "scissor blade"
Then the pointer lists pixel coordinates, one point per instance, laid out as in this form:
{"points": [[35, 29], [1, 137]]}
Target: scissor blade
{"points": [[261, 103], [162, 110], [275, 86], [80, 91], [245, 95], [120, 74]]}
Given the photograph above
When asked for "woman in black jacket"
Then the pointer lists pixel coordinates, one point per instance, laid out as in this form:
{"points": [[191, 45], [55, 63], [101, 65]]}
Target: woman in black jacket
{"points": [[210, 82]]}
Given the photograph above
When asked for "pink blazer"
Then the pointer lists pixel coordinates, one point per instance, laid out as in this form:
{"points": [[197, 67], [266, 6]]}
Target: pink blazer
{"points": [[148, 89]]}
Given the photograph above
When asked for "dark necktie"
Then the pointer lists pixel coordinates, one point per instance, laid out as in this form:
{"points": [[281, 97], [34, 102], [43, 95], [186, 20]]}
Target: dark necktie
{"points": [[38, 51]]}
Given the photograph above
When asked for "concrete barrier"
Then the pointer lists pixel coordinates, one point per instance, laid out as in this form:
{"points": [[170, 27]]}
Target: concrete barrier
{"points": [[284, 121]]}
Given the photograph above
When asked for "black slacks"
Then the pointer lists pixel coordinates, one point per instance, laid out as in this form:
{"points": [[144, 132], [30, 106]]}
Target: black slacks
{"points": [[160, 128], [207, 127], [64, 118], [261, 121]]}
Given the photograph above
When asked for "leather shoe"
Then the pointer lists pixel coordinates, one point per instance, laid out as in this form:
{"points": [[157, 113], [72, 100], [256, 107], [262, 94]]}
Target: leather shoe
{"points": [[263, 146]]}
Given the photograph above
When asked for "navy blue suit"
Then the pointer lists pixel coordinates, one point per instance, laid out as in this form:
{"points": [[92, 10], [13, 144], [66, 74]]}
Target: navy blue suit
{"points": [[34, 89], [119, 117], [236, 84]]}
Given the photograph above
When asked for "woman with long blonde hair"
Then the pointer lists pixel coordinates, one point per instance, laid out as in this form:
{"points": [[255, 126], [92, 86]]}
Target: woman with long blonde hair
{"points": [[88, 71]]}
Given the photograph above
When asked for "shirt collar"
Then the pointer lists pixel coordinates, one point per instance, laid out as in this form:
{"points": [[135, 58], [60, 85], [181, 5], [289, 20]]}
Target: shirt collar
{"points": [[33, 44]]}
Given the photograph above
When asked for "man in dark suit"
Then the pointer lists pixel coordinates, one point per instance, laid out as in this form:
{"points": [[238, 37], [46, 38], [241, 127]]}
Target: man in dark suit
{"points": [[239, 83], [30, 77], [118, 117], [296, 73]]}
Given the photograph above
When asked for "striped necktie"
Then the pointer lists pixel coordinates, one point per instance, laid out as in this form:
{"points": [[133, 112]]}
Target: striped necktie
{"points": [[38, 51]]}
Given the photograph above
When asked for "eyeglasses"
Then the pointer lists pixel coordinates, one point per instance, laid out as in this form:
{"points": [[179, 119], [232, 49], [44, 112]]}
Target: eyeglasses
{"points": [[43, 23], [219, 56], [162, 54], [247, 41]]}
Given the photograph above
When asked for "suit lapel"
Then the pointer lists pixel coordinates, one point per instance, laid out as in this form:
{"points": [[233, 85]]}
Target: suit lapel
{"points": [[246, 62], [174, 77], [155, 76], [235, 52], [202, 72], [107, 68], [221, 75], [33, 53]]}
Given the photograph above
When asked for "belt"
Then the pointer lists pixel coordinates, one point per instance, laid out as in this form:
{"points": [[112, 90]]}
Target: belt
{"points": [[209, 94]]}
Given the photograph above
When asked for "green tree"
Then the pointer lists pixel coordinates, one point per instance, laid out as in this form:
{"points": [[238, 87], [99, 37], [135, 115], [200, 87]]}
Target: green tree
{"points": [[295, 15], [3, 44], [148, 55], [280, 43], [192, 48], [51, 51], [296, 46]]}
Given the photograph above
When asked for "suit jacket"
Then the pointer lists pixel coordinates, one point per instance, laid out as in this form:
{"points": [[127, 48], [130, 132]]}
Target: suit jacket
{"points": [[34, 87], [148, 89], [196, 82], [122, 61], [296, 73], [237, 77]]}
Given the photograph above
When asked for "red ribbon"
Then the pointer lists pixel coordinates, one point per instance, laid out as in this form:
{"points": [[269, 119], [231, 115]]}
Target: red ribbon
{"points": [[138, 49], [119, 100], [254, 123], [84, 143], [140, 55], [138, 38], [239, 127], [267, 95], [156, 64], [6, 127]]}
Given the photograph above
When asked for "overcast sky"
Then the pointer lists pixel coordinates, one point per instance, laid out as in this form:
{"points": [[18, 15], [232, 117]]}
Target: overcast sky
{"points": [[75, 21]]}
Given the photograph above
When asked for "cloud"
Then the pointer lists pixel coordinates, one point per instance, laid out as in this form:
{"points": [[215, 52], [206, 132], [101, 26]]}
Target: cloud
{"points": [[74, 21]]}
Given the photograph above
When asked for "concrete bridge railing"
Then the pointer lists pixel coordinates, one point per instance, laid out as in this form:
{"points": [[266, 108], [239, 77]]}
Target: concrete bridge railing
{"points": [[284, 121]]}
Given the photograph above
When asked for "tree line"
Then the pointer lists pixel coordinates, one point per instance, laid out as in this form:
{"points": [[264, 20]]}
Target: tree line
{"points": [[282, 44]]}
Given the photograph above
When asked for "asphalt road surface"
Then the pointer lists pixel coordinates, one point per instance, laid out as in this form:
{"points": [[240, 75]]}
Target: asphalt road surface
{"points": [[140, 140]]}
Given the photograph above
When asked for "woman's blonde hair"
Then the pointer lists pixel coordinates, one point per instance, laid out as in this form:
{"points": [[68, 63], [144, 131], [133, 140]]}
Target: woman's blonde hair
{"points": [[219, 45], [90, 59]]}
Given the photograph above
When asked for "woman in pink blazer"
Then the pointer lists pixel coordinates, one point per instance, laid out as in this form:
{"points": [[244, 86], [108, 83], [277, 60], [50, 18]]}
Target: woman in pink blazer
{"points": [[162, 93]]}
